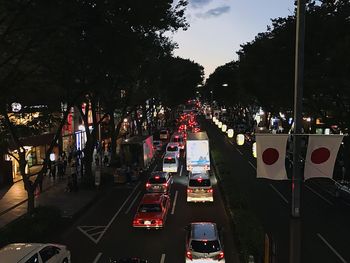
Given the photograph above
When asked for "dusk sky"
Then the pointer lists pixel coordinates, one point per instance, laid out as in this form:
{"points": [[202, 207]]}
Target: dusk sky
{"points": [[219, 27]]}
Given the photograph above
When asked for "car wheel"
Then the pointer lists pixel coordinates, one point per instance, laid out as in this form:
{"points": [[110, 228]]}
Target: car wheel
{"points": [[65, 260]]}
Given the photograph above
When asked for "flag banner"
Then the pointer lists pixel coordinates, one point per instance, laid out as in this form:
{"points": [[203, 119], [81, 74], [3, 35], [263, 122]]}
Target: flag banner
{"points": [[271, 155], [321, 153]]}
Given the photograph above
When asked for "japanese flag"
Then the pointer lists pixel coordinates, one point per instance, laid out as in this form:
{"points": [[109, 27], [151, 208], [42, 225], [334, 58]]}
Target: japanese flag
{"points": [[321, 154], [271, 155]]}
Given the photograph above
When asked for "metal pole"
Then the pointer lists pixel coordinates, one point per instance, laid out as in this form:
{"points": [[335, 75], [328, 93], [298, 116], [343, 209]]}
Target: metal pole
{"points": [[295, 221]]}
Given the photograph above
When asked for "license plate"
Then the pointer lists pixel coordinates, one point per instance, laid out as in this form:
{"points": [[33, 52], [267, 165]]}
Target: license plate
{"points": [[147, 222]]}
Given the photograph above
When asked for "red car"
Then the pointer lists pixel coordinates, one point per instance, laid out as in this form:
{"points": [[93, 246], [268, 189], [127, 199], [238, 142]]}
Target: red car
{"points": [[152, 211]]}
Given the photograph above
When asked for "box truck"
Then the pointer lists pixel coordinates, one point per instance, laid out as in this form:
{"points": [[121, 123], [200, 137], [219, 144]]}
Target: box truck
{"points": [[197, 152], [138, 151]]}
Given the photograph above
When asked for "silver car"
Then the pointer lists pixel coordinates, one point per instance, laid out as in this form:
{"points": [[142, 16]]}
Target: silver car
{"points": [[203, 243], [199, 188]]}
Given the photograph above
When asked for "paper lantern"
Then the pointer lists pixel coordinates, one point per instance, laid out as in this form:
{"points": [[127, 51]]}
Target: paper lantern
{"points": [[230, 133], [254, 149], [52, 157], [240, 139], [220, 124], [214, 119], [224, 128]]}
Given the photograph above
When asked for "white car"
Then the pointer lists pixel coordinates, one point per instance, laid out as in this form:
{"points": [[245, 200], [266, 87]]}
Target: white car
{"points": [[170, 163], [173, 147], [199, 188], [35, 253]]}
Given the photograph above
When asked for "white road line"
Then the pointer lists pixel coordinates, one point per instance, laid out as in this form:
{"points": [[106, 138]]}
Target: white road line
{"points": [[162, 259], [239, 151], [132, 203], [181, 169], [279, 193], [163, 155], [331, 248], [117, 213], [174, 203], [97, 258], [252, 165], [320, 196]]}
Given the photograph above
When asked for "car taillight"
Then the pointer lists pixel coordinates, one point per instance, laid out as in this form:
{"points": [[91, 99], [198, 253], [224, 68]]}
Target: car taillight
{"points": [[221, 255], [210, 190], [166, 184], [159, 222], [189, 255], [135, 222], [148, 185], [189, 190]]}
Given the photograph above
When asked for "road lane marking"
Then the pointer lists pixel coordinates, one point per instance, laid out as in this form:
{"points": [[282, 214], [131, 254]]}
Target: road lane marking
{"points": [[162, 259], [163, 155], [97, 258], [239, 151], [174, 203], [252, 165], [320, 196], [279, 193], [132, 203], [331, 248], [181, 169], [117, 213]]}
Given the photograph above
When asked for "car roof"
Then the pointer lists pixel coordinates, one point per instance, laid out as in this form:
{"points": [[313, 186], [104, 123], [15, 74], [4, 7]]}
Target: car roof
{"points": [[203, 230], [172, 144], [17, 251], [170, 154], [151, 198], [159, 173], [197, 175]]}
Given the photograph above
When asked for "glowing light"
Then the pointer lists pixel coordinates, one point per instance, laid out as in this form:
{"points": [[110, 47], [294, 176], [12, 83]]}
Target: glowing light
{"points": [[52, 157], [240, 139], [230, 133], [254, 149], [220, 124], [224, 128]]}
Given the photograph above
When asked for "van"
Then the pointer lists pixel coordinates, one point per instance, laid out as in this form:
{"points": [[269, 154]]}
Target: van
{"points": [[199, 187], [173, 147], [178, 138], [170, 163], [164, 135]]}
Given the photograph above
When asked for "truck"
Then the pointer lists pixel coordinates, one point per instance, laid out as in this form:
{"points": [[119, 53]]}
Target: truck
{"points": [[197, 152], [138, 151]]}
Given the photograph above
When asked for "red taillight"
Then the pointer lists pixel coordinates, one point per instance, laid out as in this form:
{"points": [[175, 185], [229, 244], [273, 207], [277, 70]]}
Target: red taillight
{"points": [[221, 255], [159, 222], [148, 185], [156, 177], [166, 184], [189, 190], [189, 255], [210, 190]]}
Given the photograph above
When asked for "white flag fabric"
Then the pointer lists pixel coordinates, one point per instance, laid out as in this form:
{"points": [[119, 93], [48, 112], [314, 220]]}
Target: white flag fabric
{"points": [[321, 153], [271, 155]]}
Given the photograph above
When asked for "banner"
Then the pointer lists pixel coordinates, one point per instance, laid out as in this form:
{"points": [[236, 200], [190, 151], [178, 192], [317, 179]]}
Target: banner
{"points": [[321, 153], [271, 155]]}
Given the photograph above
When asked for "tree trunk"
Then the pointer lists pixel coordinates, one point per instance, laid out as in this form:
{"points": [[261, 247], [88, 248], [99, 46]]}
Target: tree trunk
{"points": [[31, 200]]}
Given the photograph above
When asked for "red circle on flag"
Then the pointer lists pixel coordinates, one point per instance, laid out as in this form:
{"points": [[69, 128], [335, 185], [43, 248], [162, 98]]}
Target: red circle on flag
{"points": [[270, 156], [320, 155]]}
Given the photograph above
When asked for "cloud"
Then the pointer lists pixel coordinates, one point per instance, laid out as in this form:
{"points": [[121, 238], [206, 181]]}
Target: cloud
{"points": [[215, 12], [198, 3]]}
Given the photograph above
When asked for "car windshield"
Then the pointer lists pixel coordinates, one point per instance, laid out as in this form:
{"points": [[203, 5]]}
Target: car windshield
{"points": [[199, 182], [205, 246], [177, 139], [158, 180], [169, 160], [172, 148], [156, 143], [163, 132], [149, 208]]}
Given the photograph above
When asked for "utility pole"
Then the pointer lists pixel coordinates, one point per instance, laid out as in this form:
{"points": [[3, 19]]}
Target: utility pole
{"points": [[295, 221]]}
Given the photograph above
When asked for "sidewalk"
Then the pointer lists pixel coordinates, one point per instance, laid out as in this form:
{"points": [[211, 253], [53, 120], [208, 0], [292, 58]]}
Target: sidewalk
{"points": [[13, 199]]}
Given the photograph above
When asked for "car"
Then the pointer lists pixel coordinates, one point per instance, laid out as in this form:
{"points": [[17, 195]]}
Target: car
{"points": [[35, 253], [159, 182], [203, 243], [178, 138], [152, 211], [199, 187], [173, 147], [164, 134], [128, 260], [157, 145], [342, 189], [170, 163]]}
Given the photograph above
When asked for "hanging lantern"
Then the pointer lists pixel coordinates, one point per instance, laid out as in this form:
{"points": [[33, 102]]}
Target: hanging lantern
{"points": [[214, 119], [220, 124], [240, 139], [254, 149], [224, 128], [230, 133]]}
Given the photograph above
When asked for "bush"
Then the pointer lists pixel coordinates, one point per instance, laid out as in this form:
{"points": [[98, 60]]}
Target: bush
{"points": [[39, 227]]}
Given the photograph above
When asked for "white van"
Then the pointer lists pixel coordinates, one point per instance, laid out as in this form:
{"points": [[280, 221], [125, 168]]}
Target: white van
{"points": [[170, 163]]}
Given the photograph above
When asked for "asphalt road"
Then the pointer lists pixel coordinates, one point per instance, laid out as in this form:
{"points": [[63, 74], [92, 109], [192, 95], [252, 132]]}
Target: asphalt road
{"points": [[324, 231], [105, 230]]}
